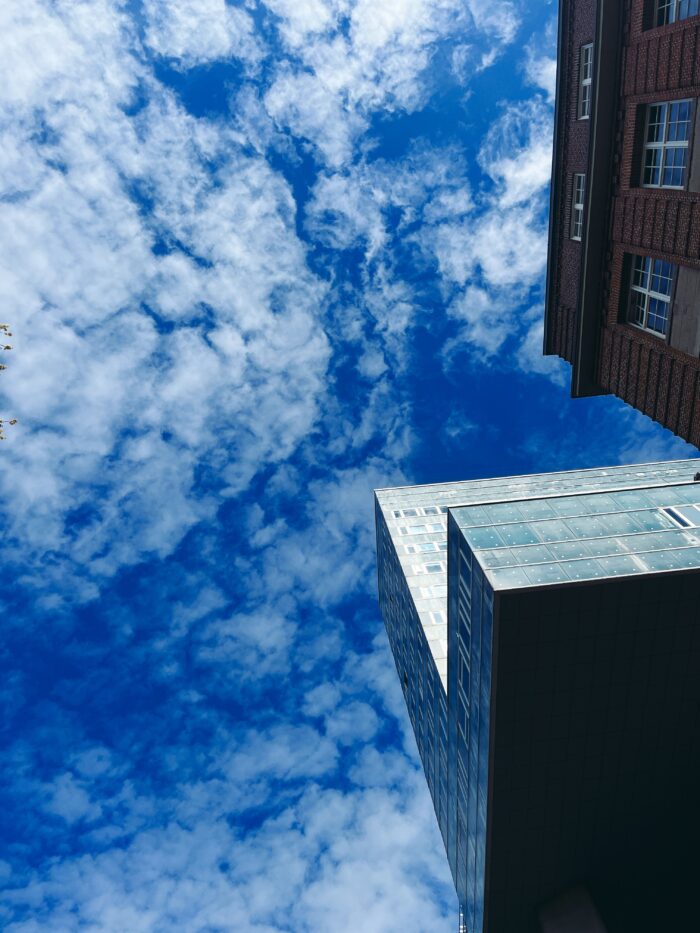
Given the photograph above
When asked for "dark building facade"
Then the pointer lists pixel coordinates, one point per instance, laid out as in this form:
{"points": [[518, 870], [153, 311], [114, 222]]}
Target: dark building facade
{"points": [[623, 278], [546, 634]]}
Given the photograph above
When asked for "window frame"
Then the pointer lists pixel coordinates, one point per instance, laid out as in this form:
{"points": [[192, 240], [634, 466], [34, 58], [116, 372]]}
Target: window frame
{"points": [[665, 146], [585, 82], [673, 6], [650, 294], [577, 206]]}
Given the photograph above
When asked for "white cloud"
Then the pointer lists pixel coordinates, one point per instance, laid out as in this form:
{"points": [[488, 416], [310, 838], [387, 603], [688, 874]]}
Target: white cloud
{"points": [[357, 58], [530, 356], [363, 860], [70, 801], [517, 152], [199, 31], [131, 368], [312, 110], [541, 60], [488, 321]]}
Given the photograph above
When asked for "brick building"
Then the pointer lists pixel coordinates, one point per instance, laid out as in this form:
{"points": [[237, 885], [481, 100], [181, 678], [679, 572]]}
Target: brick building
{"points": [[623, 277]]}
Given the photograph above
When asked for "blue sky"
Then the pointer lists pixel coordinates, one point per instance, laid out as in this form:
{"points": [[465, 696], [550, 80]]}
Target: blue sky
{"points": [[259, 258]]}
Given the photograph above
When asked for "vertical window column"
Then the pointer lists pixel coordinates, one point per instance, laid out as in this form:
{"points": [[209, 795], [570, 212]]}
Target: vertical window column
{"points": [[585, 81], [578, 195]]}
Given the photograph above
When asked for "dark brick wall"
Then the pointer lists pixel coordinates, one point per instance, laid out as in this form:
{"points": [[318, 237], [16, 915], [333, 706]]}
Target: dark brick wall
{"points": [[574, 148], [657, 64]]}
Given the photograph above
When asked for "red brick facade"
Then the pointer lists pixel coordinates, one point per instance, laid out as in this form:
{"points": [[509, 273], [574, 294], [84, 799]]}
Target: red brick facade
{"points": [[656, 64], [579, 30]]}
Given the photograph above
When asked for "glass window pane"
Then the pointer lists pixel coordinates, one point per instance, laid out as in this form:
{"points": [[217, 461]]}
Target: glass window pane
{"points": [[604, 547], [690, 513], [652, 167], [641, 271], [662, 277], [674, 167], [582, 569], [518, 534], [553, 531], [535, 554], [474, 515], [665, 12], [586, 527], [503, 512], [633, 499], [509, 577], [568, 550], [614, 566], [652, 520], [483, 537], [671, 560], [502, 557], [655, 126], [546, 573], [536, 509], [657, 316]]}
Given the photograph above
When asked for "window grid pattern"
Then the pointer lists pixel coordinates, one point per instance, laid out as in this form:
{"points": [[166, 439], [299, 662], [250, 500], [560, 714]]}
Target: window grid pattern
{"points": [[416, 619], [650, 294], [427, 594], [670, 11], [586, 537], [585, 81], [423, 690], [471, 626], [666, 144], [578, 195]]}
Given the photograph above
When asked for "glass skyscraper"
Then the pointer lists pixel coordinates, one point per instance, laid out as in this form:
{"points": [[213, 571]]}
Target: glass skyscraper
{"points": [[546, 632]]}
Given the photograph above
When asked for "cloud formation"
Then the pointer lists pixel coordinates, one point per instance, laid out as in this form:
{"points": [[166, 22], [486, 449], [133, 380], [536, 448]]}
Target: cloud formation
{"points": [[247, 248]]}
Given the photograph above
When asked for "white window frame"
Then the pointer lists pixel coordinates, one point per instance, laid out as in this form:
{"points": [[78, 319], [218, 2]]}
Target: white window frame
{"points": [[649, 295], [680, 518], [664, 145], [578, 195], [672, 11], [585, 81]]}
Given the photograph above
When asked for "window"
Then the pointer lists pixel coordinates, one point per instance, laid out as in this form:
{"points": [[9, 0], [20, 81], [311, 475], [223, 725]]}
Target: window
{"points": [[585, 81], [666, 144], [684, 517], [669, 11], [650, 296], [579, 190]]}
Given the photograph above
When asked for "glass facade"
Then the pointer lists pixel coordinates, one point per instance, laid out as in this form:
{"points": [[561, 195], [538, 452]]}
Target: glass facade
{"points": [[585, 537], [448, 554]]}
